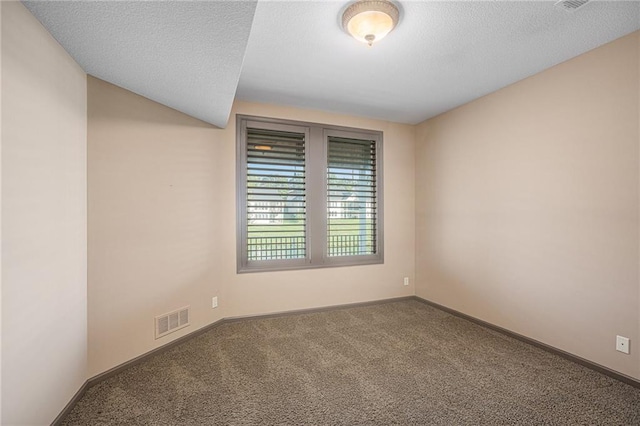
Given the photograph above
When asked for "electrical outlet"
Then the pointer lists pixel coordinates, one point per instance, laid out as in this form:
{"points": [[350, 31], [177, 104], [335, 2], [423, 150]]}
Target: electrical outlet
{"points": [[214, 302], [406, 280], [622, 344]]}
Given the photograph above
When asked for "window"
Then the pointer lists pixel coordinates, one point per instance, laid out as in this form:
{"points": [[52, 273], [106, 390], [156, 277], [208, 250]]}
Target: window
{"points": [[351, 196], [309, 195]]}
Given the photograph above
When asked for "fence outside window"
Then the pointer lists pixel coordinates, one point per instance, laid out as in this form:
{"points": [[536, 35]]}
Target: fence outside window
{"points": [[269, 248]]}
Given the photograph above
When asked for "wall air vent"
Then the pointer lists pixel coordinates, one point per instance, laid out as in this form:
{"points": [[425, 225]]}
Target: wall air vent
{"points": [[571, 5], [172, 321]]}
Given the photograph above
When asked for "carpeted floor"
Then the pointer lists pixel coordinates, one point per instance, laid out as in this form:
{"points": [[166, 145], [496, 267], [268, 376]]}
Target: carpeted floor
{"points": [[402, 363]]}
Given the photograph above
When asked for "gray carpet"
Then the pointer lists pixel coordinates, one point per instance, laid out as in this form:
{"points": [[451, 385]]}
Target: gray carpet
{"points": [[402, 363]]}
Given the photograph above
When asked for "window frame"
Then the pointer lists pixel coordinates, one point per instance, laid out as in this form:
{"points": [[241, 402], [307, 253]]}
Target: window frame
{"points": [[317, 213]]}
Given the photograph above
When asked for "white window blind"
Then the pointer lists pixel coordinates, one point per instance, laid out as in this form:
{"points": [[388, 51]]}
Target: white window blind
{"points": [[276, 195], [351, 197]]}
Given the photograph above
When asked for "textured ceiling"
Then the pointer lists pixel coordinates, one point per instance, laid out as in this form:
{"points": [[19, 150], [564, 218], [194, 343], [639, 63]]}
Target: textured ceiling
{"points": [[184, 54], [189, 54], [441, 55]]}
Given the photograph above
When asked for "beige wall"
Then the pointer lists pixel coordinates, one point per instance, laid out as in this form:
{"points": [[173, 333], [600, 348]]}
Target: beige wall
{"points": [[44, 345], [0, 215], [162, 225], [527, 206]]}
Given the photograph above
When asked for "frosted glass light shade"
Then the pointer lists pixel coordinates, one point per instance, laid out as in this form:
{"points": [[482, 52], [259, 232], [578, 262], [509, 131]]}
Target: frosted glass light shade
{"points": [[370, 20]]}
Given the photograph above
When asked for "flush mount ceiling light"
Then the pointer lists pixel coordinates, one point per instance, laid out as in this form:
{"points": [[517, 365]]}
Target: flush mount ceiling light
{"points": [[370, 20]]}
